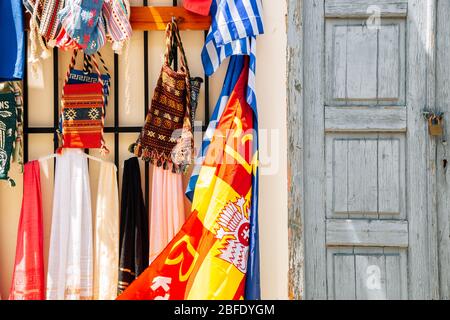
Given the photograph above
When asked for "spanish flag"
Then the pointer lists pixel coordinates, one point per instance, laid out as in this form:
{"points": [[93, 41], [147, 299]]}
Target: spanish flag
{"points": [[208, 258]]}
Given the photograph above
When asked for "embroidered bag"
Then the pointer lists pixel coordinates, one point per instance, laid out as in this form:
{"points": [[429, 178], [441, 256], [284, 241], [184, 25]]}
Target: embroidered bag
{"points": [[8, 118], [166, 138], [82, 112]]}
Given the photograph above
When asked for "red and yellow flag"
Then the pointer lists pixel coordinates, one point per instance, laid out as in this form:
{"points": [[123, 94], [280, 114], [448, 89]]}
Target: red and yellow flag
{"points": [[207, 259]]}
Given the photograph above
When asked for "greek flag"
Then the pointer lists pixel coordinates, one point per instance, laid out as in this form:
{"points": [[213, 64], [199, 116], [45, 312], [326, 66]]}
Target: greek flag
{"points": [[234, 28]]}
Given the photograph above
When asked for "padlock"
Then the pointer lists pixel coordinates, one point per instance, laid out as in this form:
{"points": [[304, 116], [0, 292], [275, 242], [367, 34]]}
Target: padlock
{"points": [[436, 126]]}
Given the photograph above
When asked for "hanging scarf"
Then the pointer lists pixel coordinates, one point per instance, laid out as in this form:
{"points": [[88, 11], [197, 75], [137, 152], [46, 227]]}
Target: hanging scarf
{"points": [[133, 227], [70, 261], [8, 118], [167, 209], [166, 138], [28, 276], [106, 246]]}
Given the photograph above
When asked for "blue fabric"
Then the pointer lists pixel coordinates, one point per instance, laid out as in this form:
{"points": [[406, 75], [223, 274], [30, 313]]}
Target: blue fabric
{"points": [[12, 52]]}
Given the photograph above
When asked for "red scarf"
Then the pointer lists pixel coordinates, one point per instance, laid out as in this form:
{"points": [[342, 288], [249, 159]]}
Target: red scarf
{"points": [[198, 6], [28, 281]]}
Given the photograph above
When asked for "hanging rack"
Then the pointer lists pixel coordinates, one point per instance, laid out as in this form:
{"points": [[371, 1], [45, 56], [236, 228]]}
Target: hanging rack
{"points": [[56, 155], [153, 18]]}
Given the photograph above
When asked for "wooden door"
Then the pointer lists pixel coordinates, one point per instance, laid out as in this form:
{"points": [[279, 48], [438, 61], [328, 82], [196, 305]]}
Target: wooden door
{"points": [[370, 226]]}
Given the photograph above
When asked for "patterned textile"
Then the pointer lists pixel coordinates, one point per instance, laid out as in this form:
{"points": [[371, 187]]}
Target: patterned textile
{"points": [[49, 23], [207, 259], [166, 138], [8, 124], [118, 26], [70, 260], [198, 6], [84, 23], [82, 112], [28, 282], [134, 238]]}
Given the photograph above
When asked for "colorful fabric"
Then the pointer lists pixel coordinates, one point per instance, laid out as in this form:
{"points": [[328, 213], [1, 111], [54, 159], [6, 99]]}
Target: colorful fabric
{"points": [[207, 259], [70, 261], [167, 209], [80, 77], [106, 244], [50, 24], [234, 28], [12, 54], [8, 118], [198, 6], [84, 23], [166, 139], [134, 247], [28, 282], [118, 26], [82, 115]]}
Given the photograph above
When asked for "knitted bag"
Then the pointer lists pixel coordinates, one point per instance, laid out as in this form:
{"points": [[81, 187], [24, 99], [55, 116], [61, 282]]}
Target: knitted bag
{"points": [[166, 138], [8, 118], [82, 112]]}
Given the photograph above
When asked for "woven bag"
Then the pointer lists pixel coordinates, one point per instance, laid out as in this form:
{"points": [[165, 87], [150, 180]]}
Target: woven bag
{"points": [[83, 112], [166, 139]]}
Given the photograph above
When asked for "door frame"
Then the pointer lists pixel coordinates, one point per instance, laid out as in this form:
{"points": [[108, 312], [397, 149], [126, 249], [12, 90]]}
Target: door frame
{"points": [[438, 205]]}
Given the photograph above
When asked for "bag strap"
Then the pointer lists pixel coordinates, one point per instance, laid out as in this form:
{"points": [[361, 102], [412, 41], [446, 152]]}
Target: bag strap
{"points": [[72, 63], [173, 41]]}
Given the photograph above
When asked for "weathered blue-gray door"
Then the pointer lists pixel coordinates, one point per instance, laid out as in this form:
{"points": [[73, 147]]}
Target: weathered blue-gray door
{"points": [[370, 219]]}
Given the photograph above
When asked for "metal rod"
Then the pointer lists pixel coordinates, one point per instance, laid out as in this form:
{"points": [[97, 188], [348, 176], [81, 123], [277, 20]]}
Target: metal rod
{"points": [[146, 105], [116, 110], [55, 97], [25, 104], [205, 125]]}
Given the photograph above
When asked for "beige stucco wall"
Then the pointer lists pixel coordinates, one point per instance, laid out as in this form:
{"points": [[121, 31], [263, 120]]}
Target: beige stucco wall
{"points": [[271, 84]]}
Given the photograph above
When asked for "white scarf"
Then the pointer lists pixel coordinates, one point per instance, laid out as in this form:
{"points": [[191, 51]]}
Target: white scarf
{"points": [[70, 263], [106, 252]]}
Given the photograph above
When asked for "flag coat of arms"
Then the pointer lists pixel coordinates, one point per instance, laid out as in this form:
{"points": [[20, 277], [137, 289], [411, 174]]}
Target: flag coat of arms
{"points": [[208, 258]]}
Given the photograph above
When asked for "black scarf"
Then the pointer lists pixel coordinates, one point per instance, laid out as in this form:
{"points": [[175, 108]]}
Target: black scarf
{"points": [[134, 241]]}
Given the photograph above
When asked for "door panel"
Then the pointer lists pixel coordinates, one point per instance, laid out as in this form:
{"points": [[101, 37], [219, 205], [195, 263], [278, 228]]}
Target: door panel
{"points": [[365, 65], [366, 274], [367, 219]]}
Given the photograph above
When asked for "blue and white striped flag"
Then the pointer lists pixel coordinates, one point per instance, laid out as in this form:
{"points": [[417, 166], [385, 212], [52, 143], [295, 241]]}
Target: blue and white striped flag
{"points": [[234, 28]]}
